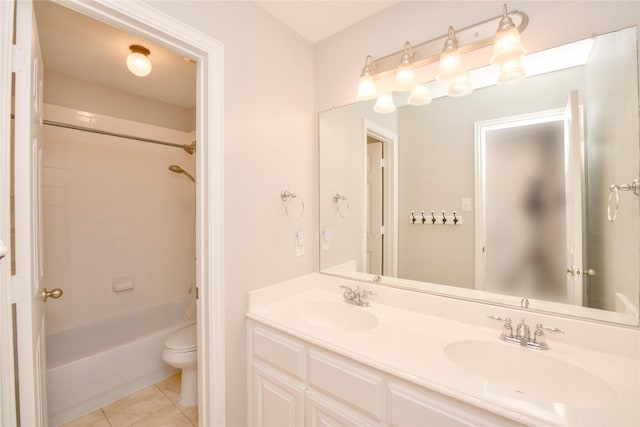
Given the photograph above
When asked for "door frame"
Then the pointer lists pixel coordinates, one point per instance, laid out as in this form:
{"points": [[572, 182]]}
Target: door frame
{"points": [[481, 128], [7, 373], [145, 21], [389, 141]]}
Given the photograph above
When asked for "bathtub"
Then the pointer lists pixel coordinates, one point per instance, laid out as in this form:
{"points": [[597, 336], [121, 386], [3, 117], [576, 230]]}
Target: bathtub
{"points": [[97, 363]]}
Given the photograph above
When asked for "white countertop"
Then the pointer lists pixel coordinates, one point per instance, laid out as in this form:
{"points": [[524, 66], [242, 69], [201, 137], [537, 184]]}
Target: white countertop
{"points": [[410, 344]]}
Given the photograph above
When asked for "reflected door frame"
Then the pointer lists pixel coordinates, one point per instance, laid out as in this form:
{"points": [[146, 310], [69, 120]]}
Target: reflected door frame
{"points": [[481, 130], [389, 141]]}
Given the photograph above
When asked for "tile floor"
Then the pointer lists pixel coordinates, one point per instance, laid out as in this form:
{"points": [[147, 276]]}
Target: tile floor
{"points": [[154, 406]]}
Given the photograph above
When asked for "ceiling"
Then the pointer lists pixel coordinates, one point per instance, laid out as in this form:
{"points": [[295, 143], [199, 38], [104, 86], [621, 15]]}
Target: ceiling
{"points": [[86, 49], [83, 48], [317, 20]]}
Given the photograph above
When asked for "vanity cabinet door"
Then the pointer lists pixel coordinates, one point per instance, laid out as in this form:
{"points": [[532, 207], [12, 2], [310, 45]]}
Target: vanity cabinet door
{"points": [[411, 406], [277, 401]]}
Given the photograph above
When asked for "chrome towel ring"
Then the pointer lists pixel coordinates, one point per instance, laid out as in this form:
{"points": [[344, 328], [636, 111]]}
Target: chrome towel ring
{"points": [[614, 193], [287, 196], [342, 204]]}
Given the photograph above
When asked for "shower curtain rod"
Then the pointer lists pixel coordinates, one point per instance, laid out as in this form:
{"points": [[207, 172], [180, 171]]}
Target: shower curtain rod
{"points": [[191, 148]]}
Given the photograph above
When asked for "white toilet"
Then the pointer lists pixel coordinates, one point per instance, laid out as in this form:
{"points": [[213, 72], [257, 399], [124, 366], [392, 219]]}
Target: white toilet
{"points": [[180, 351]]}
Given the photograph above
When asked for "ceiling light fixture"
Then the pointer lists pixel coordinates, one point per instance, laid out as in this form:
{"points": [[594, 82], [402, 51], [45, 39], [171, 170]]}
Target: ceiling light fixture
{"points": [[405, 64], [138, 60]]}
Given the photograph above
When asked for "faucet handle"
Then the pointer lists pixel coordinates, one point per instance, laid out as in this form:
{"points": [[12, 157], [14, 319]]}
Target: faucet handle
{"points": [[549, 328]]}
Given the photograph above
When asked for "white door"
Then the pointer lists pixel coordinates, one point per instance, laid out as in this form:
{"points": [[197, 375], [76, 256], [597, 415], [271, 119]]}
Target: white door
{"points": [[28, 68], [573, 199], [374, 208]]}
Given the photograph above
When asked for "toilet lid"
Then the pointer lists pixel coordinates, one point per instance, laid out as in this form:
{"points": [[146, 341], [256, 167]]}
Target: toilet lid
{"points": [[182, 340]]}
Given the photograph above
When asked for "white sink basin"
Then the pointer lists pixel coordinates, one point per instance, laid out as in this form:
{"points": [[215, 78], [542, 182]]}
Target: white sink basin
{"points": [[529, 371], [337, 315]]}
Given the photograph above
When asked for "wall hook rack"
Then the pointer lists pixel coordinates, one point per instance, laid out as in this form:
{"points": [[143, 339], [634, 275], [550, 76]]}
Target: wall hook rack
{"points": [[443, 219]]}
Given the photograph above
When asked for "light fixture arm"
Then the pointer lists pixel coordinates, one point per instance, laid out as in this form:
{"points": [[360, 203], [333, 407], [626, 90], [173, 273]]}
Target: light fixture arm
{"points": [[429, 51]]}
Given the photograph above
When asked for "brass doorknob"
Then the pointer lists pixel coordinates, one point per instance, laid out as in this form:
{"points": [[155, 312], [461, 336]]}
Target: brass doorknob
{"points": [[53, 293], [590, 272]]}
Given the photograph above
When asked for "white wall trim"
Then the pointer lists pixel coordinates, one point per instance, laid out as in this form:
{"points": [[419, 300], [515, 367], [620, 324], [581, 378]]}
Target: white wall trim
{"points": [[148, 22], [7, 379]]}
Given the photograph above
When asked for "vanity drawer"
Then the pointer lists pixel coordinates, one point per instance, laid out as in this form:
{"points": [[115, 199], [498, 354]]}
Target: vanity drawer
{"points": [[279, 350], [409, 406], [347, 381]]}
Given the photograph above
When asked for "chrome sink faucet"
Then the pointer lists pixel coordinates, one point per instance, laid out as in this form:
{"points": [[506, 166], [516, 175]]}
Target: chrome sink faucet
{"points": [[523, 336], [356, 296]]}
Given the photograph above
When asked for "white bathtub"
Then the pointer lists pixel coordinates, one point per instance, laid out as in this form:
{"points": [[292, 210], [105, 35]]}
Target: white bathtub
{"points": [[100, 362]]}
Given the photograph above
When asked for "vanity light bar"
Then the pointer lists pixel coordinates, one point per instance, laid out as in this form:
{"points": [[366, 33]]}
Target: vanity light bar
{"points": [[470, 38]]}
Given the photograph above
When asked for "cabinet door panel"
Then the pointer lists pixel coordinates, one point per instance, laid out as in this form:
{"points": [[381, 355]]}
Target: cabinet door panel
{"points": [[276, 401]]}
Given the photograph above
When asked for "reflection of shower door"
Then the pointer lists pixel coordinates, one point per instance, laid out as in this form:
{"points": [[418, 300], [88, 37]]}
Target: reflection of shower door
{"points": [[374, 204], [521, 211]]}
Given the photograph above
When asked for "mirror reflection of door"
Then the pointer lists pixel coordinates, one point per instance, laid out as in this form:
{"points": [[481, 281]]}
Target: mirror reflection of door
{"points": [[375, 206], [524, 208]]}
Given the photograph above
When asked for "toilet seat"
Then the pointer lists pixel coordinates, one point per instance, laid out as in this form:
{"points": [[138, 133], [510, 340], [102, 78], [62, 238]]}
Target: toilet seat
{"points": [[182, 341]]}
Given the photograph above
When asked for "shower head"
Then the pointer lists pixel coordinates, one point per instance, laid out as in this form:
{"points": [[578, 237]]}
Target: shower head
{"points": [[191, 148], [178, 169]]}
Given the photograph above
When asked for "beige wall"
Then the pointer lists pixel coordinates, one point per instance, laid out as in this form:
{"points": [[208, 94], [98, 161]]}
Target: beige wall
{"points": [[612, 159], [269, 147], [82, 95]]}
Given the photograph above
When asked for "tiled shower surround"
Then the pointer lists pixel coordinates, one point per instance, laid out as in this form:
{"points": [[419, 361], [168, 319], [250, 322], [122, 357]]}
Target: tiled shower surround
{"points": [[112, 211]]}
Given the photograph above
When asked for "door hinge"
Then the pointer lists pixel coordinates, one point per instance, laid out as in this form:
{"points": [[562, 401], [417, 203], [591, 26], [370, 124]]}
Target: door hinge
{"points": [[382, 230], [382, 163]]}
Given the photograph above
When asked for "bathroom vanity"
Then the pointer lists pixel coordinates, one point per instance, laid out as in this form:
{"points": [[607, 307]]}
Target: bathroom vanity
{"points": [[417, 359]]}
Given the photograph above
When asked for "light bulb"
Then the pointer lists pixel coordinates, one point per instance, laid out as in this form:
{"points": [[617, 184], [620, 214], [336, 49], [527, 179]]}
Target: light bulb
{"points": [[384, 104], [420, 95], [138, 61]]}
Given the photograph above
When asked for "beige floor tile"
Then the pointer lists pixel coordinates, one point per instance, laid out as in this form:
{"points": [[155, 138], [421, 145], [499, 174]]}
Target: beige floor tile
{"points": [[167, 417], [136, 406], [171, 387], [92, 419], [191, 413]]}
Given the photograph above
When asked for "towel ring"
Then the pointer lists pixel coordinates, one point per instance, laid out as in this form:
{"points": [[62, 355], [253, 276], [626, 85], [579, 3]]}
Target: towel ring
{"points": [[342, 204], [286, 197]]}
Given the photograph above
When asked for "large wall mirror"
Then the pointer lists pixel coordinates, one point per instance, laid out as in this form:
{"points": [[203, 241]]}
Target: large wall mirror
{"points": [[528, 169]]}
